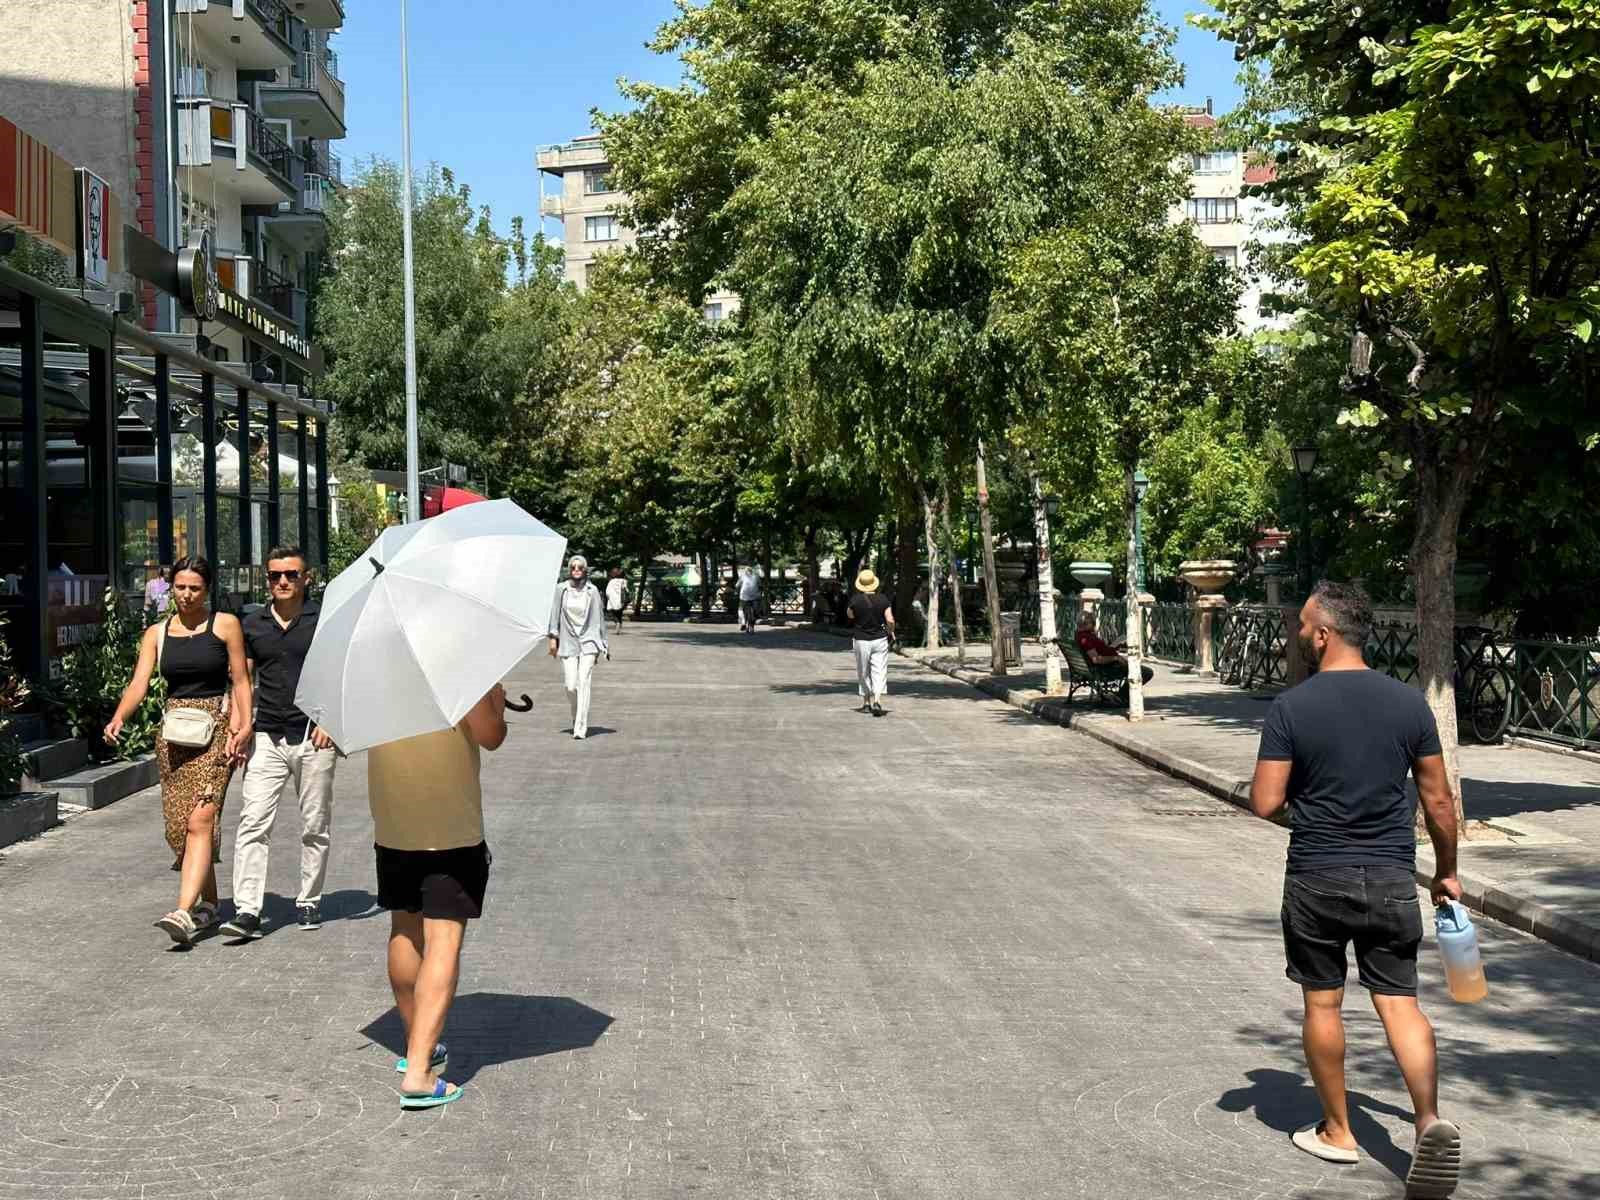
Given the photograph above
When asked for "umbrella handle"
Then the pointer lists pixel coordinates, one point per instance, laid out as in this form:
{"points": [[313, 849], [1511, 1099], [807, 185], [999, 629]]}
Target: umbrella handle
{"points": [[525, 705]]}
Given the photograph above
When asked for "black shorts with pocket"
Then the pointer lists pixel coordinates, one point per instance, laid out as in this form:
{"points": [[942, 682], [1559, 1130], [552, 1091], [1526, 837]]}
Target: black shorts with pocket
{"points": [[435, 883], [1376, 908]]}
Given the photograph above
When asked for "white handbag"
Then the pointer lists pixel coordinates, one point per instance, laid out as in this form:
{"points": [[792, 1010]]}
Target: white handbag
{"points": [[191, 727]]}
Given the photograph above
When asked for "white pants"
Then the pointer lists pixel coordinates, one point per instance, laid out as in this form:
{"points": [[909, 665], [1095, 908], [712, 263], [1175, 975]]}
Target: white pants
{"points": [[872, 668], [579, 671], [273, 763]]}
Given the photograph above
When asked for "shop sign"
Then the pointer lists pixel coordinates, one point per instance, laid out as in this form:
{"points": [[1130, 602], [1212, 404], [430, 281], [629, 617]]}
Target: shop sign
{"points": [[256, 320], [74, 612], [198, 289], [94, 229]]}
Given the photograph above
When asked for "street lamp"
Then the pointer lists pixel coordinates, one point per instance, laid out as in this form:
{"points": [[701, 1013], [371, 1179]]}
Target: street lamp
{"points": [[413, 479], [1141, 485], [1305, 461], [1052, 506]]}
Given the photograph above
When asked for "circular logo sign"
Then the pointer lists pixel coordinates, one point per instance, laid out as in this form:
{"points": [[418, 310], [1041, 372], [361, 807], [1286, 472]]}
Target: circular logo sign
{"points": [[197, 277]]}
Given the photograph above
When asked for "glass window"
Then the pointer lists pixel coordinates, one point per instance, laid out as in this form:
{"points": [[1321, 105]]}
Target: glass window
{"points": [[712, 312], [1213, 210], [596, 180], [289, 509], [140, 535], [1217, 162], [600, 229], [1226, 254], [136, 436], [227, 532]]}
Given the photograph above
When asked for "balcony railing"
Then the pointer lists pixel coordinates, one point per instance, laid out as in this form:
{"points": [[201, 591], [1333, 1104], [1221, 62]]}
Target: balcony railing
{"points": [[314, 194], [264, 142], [322, 161]]}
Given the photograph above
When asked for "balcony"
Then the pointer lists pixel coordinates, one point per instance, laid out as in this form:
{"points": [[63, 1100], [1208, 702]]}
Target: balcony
{"points": [[302, 224], [587, 151], [319, 14], [254, 280], [256, 32], [322, 161], [550, 205], [231, 147], [312, 97]]}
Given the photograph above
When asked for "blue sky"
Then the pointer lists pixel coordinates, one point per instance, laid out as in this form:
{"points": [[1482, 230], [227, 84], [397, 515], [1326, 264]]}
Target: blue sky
{"points": [[491, 80]]}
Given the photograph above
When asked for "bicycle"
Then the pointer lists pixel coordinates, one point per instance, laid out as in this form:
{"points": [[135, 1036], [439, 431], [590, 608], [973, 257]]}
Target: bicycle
{"points": [[1484, 684]]}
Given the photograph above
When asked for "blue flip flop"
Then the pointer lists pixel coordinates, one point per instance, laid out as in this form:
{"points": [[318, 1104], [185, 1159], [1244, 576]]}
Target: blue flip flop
{"points": [[435, 1064], [441, 1094]]}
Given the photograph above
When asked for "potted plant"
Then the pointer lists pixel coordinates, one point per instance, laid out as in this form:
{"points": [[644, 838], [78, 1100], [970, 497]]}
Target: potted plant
{"points": [[13, 691], [1208, 573], [1091, 573]]}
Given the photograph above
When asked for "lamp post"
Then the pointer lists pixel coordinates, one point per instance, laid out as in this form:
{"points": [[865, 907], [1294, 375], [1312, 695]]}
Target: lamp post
{"points": [[413, 479], [1141, 485], [1305, 461]]}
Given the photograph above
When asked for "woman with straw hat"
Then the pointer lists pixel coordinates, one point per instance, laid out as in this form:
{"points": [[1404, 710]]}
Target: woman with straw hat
{"points": [[873, 621]]}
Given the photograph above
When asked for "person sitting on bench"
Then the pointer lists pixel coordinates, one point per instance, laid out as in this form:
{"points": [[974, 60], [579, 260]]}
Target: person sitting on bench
{"points": [[1099, 653]]}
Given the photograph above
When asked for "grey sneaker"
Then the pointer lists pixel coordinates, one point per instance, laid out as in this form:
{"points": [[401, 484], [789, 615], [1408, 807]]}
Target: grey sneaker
{"points": [[309, 916], [243, 925], [178, 925]]}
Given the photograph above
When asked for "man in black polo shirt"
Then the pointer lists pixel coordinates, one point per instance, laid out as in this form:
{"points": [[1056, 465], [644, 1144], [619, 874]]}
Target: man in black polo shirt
{"points": [[1337, 749], [287, 747]]}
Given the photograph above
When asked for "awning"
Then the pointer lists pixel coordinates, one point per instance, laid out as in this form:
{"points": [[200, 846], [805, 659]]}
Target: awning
{"points": [[437, 500]]}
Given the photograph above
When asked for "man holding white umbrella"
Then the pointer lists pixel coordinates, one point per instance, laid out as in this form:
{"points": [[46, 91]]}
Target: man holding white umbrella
{"points": [[413, 640]]}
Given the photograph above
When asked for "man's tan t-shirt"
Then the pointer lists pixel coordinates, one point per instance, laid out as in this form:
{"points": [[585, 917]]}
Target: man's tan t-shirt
{"points": [[424, 792]]}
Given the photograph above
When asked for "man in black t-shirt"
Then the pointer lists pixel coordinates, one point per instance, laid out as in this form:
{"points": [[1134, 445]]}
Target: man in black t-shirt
{"points": [[1337, 749], [873, 621]]}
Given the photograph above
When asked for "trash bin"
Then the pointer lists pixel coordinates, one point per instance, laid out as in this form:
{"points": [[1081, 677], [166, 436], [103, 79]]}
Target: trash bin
{"points": [[1011, 638]]}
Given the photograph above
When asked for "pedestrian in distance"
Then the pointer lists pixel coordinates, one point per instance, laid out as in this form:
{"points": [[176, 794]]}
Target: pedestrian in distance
{"points": [[205, 726], [749, 599], [577, 638], [616, 596], [873, 628], [287, 749], [1336, 749], [158, 590], [433, 873]]}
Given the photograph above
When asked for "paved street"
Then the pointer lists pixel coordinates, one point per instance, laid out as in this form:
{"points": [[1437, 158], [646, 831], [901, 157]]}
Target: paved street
{"points": [[745, 942]]}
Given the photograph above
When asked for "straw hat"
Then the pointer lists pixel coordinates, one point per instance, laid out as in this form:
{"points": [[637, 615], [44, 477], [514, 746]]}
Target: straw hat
{"points": [[866, 581]]}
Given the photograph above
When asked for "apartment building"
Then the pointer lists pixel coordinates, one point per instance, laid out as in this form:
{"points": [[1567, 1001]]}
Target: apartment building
{"points": [[1224, 218], [214, 116], [586, 204]]}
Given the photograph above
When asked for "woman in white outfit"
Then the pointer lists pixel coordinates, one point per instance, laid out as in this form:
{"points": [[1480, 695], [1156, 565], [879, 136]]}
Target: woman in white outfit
{"points": [[873, 620], [578, 637]]}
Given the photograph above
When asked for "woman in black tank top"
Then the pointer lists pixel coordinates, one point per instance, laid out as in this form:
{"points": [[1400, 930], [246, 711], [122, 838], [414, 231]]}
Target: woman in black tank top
{"points": [[200, 656]]}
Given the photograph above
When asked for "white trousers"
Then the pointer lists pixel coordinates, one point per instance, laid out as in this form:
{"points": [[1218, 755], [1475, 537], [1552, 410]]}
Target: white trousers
{"points": [[274, 762], [872, 668], [579, 672]]}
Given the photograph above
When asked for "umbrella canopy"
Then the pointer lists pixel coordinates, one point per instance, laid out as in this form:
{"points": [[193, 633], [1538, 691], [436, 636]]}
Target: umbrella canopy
{"points": [[434, 614]]}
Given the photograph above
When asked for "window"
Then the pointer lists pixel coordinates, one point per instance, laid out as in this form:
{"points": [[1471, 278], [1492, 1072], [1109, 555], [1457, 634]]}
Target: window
{"points": [[599, 229], [596, 180], [1213, 210], [1217, 162], [712, 312], [1226, 254]]}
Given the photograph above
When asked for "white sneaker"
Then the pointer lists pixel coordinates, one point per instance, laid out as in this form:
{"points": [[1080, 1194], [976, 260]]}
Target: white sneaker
{"points": [[179, 926], [578, 737]]}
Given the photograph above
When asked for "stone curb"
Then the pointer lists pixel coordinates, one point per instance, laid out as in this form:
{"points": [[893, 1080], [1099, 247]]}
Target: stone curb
{"points": [[1480, 893]]}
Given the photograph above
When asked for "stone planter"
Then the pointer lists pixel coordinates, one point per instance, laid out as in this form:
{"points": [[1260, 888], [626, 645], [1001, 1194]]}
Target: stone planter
{"points": [[1207, 576], [1090, 574]]}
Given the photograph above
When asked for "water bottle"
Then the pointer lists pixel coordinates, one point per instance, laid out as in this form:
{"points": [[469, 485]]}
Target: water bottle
{"points": [[1458, 949]]}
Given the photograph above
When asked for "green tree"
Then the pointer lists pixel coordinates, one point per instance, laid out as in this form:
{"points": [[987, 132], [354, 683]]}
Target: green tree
{"points": [[1437, 162]]}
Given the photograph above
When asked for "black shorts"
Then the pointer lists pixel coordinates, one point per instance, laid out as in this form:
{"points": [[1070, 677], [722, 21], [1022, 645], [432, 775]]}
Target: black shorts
{"points": [[435, 883], [1376, 908]]}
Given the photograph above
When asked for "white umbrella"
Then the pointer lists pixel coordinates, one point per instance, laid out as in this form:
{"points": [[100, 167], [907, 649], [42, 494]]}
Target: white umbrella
{"points": [[434, 614]]}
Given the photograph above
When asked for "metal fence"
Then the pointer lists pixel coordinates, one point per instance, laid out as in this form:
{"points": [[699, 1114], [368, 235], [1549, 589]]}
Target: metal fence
{"points": [[1169, 632], [1557, 691], [1252, 647], [1112, 621]]}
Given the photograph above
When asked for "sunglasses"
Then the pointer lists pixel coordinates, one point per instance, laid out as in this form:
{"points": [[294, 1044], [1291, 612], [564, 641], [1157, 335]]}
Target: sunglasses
{"points": [[291, 576]]}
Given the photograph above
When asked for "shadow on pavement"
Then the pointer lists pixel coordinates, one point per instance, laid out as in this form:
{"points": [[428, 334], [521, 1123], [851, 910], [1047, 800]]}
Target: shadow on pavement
{"points": [[486, 1029], [1285, 1101]]}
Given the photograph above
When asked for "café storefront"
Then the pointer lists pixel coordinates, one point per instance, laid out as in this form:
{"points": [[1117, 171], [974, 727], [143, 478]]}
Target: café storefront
{"points": [[122, 450]]}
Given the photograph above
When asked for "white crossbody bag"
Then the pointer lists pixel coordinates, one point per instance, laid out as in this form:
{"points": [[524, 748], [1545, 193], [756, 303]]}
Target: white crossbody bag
{"points": [[192, 727]]}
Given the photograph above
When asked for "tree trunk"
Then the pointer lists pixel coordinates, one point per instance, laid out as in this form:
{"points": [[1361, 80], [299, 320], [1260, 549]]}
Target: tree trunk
{"points": [[1135, 641], [644, 579], [955, 576], [1441, 497], [809, 592], [706, 565], [930, 534], [1047, 586], [906, 580], [991, 582]]}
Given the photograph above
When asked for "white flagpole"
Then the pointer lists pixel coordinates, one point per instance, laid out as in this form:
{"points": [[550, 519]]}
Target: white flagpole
{"points": [[413, 481]]}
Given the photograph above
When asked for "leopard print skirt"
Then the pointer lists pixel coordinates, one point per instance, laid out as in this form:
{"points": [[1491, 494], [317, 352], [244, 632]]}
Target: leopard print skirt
{"points": [[192, 776]]}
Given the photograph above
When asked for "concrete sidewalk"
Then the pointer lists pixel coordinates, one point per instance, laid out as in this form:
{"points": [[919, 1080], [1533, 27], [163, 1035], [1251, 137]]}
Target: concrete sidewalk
{"points": [[1533, 863]]}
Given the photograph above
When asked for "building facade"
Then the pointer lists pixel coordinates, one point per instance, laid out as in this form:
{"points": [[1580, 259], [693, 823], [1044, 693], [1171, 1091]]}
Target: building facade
{"points": [[1226, 220], [202, 115], [586, 204]]}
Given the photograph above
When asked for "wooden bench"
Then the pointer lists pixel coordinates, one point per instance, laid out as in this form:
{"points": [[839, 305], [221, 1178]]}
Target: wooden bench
{"points": [[1108, 681]]}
